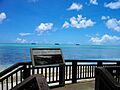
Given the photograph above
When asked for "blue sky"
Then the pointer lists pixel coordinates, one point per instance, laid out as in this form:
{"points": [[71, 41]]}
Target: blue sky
{"points": [[60, 21]]}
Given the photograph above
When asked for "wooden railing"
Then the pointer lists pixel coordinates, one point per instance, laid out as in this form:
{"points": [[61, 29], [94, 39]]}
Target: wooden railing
{"points": [[73, 70], [107, 78]]}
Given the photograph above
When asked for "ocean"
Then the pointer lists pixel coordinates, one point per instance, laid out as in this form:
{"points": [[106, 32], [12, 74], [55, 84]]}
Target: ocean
{"points": [[13, 53]]}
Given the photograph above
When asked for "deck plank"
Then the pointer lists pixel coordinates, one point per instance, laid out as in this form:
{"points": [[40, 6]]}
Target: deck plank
{"points": [[86, 85]]}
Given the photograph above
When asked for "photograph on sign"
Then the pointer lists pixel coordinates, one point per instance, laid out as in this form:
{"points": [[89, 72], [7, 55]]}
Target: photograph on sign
{"points": [[45, 56]]}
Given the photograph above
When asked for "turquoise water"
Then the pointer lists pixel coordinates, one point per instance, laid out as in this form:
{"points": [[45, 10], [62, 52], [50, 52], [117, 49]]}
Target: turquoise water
{"points": [[12, 53]]}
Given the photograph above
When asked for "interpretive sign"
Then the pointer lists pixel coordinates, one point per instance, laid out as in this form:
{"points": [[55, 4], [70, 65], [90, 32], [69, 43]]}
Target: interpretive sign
{"points": [[46, 56]]}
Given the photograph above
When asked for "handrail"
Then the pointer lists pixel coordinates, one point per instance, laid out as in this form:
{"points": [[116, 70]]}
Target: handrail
{"points": [[13, 67], [71, 71], [71, 60], [102, 75], [39, 83], [29, 63]]}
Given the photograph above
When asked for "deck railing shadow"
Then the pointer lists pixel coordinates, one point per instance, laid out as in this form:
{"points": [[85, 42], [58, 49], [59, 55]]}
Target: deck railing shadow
{"points": [[55, 75]]}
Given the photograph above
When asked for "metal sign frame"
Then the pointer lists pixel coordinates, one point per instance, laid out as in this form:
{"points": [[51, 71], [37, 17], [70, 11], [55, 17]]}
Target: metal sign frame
{"points": [[46, 56]]}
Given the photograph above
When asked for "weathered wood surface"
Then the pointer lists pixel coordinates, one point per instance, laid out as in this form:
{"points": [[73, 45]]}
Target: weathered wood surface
{"points": [[34, 82]]}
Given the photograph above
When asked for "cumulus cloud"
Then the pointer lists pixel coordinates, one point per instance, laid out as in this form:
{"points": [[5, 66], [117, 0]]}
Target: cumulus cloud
{"points": [[94, 2], [113, 5], [105, 17], [24, 34], [78, 22], [66, 24], [21, 40], [113, 24], [75, 6], [105, 39], [44, 27], [2, 17]]}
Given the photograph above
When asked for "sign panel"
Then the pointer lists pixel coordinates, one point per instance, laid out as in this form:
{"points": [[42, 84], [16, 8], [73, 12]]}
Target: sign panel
{"points": [[46, 56]]}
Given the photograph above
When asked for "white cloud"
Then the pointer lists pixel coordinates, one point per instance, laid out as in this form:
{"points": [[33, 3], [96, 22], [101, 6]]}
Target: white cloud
{"points": [[2, 17], [113, 5], [113, 24], [105, 17], [66, 24], [94, 2], [105, 39], [75, 6], [44, 27], [79, 22], [24, 34], [21, 40]]}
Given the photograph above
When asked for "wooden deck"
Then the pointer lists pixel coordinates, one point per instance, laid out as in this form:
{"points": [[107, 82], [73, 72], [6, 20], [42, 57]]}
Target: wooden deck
{"points": [[82, 85], [72, 71]]}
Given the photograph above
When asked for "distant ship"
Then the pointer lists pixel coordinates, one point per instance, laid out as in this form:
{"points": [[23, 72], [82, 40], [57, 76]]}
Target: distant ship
{"points": [[77, 44], [57, 44], [33, 43]]}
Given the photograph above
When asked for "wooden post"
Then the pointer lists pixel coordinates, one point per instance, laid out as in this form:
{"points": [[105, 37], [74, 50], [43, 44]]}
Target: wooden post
{"points": [[62, 75], [97, 83], [99, 63], [26, 72], [118, 63], [74, 72], [118, 72]]}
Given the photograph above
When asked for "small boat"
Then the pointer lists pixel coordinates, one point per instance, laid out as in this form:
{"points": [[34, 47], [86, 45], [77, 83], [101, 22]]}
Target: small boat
{"points": [[33, 43], [57, 44], [77, 44]]}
